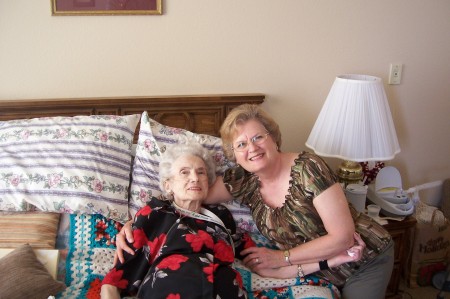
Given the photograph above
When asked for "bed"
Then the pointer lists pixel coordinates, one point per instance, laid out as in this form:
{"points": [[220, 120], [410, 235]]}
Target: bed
{"points": [[74, 170]]}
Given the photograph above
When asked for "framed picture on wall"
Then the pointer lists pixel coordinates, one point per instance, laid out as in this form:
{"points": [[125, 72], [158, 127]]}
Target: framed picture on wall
{"points": [[106, 7]]}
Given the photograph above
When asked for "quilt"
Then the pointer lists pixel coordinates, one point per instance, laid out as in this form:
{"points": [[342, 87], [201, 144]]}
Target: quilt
{"points": [[91, 254], [308, 287]]}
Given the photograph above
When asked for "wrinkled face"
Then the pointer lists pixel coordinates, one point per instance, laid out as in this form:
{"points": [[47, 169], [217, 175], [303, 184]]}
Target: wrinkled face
{"points": [[253, 148], [189, 180]]}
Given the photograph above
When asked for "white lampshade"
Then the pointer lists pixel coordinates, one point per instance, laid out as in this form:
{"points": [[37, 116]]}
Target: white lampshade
{"points": [[355, 123]]}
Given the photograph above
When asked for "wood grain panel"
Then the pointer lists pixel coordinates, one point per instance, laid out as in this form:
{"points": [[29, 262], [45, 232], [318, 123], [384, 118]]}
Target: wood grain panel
{"points": [[197, 113]]}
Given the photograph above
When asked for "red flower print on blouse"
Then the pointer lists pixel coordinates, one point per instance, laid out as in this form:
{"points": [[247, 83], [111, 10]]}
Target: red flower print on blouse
{"points": [[238, 279], [173, 296], [223, 251], [172, 262], [114, 277], [155, 246], [248, 242], [200, 239], [140, 238], [209, 271], [145, 211]]}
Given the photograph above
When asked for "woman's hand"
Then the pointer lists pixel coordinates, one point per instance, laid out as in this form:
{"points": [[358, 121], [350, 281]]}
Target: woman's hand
{"points": [[125, 234], [262, 257], [353, 254], [356, 251]]}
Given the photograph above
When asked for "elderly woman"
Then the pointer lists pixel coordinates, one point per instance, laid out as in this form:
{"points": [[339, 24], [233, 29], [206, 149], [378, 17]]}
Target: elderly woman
{"points": [[181, 248]]}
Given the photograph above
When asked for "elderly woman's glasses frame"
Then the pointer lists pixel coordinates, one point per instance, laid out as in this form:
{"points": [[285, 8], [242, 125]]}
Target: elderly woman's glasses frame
{"points": [[242, 146]]}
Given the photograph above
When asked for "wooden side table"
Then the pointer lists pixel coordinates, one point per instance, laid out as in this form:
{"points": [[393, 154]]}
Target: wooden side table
{"points": [[401, 233]]}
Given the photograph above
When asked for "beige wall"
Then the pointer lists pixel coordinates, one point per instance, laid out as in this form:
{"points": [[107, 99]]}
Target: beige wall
{"points": [[290, 50]]}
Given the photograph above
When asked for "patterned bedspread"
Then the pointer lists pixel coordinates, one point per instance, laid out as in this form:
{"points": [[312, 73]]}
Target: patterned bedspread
{"points": [[91, 254]]}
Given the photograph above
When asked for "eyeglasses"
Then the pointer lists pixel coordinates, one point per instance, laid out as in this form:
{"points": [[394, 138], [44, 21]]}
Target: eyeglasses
{"points": [[241, 146]]}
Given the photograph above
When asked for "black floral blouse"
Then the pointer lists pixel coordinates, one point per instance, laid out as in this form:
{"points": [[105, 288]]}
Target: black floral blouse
{"points": [[178, 256], [297, 221]]}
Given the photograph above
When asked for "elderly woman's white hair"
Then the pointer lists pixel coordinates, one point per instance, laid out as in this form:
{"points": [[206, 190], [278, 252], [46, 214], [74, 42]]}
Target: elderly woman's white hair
{"points": [[172, 153]]}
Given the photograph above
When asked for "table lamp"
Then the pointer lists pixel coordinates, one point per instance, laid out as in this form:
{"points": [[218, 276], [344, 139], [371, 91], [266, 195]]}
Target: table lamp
{"points": [[355, 124]]}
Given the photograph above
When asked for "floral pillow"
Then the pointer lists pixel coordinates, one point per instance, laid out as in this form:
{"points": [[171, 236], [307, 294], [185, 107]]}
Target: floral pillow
{"points": [[79, 164], [153, 140]]}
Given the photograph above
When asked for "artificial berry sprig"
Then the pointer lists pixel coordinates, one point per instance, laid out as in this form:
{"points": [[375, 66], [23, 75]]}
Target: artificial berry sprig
{"points": [[370, 172]]}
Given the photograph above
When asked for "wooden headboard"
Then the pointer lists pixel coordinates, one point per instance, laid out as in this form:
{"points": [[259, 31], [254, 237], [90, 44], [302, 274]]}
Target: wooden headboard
{"points": [[201, 114]]}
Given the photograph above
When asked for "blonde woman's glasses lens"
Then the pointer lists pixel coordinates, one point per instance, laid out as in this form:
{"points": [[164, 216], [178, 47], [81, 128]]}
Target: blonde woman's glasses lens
{"points": [[241, 146]]}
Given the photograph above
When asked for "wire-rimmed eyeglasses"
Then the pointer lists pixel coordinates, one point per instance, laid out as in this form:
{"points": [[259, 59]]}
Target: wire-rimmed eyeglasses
{"points": [[241, 146]]}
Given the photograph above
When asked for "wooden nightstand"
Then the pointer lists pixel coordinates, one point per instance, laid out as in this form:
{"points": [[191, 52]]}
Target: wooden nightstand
{"points": [[400, 232]]}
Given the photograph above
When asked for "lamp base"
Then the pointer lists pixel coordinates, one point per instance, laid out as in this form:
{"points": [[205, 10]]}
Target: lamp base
{"points": [[350, 172]]}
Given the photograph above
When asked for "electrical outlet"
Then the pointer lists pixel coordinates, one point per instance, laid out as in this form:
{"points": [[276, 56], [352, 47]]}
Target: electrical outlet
{"points": [[395, 73]]}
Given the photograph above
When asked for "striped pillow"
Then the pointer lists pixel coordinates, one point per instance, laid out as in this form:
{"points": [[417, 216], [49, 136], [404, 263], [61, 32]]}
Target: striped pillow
{"points": [[77, 164], [153, 140], [39, 229]]}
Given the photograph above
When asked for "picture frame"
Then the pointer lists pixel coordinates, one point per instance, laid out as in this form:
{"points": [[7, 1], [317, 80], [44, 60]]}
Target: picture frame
{"points": [[105, 7]]}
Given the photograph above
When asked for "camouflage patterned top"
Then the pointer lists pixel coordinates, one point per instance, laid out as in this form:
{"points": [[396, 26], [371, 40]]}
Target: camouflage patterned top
{"points": [[298, 221]]}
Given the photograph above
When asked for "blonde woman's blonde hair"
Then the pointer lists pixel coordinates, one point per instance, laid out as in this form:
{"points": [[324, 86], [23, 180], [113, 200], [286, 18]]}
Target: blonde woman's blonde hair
{"points": [[240, 115]]}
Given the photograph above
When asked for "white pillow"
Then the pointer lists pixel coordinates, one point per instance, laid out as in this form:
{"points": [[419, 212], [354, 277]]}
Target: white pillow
{"points": [[78, 164]]}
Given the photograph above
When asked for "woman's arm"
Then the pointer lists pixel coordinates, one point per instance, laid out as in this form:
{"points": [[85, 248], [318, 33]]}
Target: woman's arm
{"points": [[351, 255], [333, 208], [109, 292], [134, 266], [218, 193]]}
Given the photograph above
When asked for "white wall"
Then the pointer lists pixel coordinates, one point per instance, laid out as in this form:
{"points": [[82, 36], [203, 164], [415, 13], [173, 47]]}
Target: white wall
{"points": [[290, 50]]}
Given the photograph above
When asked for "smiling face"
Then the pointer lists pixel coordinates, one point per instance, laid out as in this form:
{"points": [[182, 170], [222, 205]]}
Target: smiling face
{"points": [[256, 157], [189, 181]]}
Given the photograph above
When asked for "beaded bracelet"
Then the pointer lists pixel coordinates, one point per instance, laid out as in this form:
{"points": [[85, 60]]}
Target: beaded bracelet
{"points": [[287, 254], [300, 272]]}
